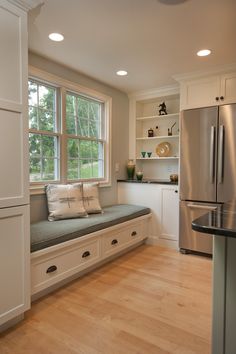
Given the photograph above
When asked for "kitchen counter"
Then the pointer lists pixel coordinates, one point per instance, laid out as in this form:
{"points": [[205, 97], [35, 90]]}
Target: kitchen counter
{"points": [[218, 222], [153, 181], [221, 224]]}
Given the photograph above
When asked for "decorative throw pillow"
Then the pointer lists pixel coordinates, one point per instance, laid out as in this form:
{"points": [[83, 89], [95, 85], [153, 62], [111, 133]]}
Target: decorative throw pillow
{"points": [[91, 198], [65, 201]]}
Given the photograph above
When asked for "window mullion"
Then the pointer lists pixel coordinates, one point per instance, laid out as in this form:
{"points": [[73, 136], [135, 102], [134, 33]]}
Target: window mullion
{"points": [[63, 142]]}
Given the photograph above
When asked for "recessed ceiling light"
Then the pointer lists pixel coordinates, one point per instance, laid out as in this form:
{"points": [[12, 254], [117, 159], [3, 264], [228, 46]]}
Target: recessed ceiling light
{"points": [[56, 37], [121, 72], [203, 52]]}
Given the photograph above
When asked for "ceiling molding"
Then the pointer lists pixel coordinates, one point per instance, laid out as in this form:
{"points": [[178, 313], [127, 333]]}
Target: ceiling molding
{"points": [[217, 70], [155, 92], [26, 4]]}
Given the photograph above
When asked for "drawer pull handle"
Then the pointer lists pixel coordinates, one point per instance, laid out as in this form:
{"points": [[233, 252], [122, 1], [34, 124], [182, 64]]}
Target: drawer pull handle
{"points": [[114, 242], [134, 233], [85, 254], [51, 269]]}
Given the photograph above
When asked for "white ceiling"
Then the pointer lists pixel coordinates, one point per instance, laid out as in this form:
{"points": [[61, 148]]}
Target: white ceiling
{"points": [[151, 39]]}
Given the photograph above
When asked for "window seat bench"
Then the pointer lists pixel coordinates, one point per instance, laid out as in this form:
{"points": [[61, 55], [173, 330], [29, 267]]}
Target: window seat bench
{"points": [[61, 249]]}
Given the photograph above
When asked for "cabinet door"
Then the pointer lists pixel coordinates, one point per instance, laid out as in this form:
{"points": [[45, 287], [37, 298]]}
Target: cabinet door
{"points": [[14, 262], [14, 178], [169, 213], [200, 93], [13, 68], [228, 88]]}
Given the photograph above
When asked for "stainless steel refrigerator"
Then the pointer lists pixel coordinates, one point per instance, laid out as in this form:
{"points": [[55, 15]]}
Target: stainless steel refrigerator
{"points": [[207, 168]]}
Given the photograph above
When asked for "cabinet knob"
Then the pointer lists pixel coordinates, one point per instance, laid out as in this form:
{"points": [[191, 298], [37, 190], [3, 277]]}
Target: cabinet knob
{"points": [[51, 269], [217, 98], [85, 254], [222, 98], [114, 242], [134, 233], [176, 191]]}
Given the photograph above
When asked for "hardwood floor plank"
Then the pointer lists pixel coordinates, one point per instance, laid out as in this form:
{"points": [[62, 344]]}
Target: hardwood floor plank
{"points": [[152, 300]]}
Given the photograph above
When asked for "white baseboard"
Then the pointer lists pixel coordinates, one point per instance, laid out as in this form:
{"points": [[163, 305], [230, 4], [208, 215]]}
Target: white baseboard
{"points": [[155, 241]]}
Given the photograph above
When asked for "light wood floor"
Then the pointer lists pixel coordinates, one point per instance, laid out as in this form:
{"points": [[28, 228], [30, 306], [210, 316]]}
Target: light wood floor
{"points": [[152, 300]]}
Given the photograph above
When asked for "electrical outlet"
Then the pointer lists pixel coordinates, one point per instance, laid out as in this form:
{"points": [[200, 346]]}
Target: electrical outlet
{"points": [[117, 167]]}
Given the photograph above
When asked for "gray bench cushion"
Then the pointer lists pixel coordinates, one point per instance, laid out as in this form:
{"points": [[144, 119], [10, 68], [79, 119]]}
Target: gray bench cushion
{"points": [[49, 233]]}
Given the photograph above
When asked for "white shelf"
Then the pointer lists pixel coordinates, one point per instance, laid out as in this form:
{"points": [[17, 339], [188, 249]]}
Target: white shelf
{"points": [[172, 115], [159, 137], [158, 158]]}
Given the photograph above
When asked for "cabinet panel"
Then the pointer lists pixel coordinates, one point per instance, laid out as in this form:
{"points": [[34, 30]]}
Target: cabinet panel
{"points": [[13, 43], [13, 157], [200, 93], [14, 262], [169, 213], [228, 88]]}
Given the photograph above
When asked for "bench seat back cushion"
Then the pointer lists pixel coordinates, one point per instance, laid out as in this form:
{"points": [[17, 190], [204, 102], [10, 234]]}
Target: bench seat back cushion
{"points": [[45, 233]]}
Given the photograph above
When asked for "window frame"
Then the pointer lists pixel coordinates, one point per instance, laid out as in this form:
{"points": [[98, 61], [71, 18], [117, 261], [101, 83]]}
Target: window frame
{"points": [[63, 86]]}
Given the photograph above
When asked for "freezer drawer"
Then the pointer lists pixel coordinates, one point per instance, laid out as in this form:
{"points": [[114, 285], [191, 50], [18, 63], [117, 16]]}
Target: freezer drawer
{"points": [[188, 238]]}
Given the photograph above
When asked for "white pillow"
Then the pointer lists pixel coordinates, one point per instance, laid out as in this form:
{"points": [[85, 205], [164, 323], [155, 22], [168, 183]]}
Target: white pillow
{"points": [[65, 201], [91, 198]]}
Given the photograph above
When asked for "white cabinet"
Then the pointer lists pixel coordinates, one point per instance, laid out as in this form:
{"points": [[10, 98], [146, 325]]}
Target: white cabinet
{"points": [[169, 213], [13, 106], [208, 91], [15, 262], [14, 191], [163, 200]]}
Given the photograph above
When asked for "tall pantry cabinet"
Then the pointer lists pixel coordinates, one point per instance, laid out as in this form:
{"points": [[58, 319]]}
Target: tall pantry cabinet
{"points": [[14, 189]]}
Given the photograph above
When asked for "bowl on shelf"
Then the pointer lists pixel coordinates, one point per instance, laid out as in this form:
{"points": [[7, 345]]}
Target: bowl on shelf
{"points": [[163, 149]]}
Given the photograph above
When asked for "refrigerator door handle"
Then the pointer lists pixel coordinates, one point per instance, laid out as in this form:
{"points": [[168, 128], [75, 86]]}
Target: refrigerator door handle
{"points": [[212, 154], [204, 207], [221, 154]]}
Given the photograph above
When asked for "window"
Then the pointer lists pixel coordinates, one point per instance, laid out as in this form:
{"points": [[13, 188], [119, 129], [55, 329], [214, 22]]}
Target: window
{"points": [[43, 136], [85, 143], [71, 143]]}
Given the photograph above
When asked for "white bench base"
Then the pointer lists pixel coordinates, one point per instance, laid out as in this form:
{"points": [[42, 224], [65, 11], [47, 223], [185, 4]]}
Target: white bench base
{"points": [[51, 266]]}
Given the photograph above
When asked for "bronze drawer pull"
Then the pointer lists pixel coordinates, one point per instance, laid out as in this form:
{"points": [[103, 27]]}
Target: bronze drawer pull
{"points": [[134, 233], [114, 242], [85, 254], [51, 269]]}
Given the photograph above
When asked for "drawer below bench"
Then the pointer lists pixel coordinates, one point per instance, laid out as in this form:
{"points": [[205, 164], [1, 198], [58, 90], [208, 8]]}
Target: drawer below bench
{"points": [[56, 263]]}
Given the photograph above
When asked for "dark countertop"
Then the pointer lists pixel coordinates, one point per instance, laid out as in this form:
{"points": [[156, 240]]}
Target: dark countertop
{"points": [[153, 181], [218, 222]]}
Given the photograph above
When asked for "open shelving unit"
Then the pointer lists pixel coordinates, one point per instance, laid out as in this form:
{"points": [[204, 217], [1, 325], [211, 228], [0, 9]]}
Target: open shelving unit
{"points": [[147, 116]]}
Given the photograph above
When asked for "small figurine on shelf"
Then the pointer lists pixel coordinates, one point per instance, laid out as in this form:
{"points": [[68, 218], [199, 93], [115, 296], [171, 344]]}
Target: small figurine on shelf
{"points": [[162, 110], [170, 130], [150, 133]]}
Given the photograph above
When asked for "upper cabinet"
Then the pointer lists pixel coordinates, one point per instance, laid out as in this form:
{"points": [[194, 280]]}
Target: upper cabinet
{"points": [[208, 91], [14, 185]]}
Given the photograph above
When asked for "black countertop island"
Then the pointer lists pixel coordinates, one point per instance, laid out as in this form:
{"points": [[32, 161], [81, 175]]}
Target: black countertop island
{"points": [[221, 224], [221, 221]]}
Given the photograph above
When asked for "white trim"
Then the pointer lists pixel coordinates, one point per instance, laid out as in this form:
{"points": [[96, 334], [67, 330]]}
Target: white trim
{"points": [[222, 69], [156, 92], [26, 4], [66, 85]]}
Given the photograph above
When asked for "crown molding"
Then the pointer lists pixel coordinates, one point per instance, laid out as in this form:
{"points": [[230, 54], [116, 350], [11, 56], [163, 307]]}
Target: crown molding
{"points": [[155, 92], [26, 4], [217, 70]]}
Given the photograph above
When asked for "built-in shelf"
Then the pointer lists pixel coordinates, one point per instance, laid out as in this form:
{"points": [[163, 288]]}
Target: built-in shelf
{"points": [[158, 158], [159, 137], [171, 115]]}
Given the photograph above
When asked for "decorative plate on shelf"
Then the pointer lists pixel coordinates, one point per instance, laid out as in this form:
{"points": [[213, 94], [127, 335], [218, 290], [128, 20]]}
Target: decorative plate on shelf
{"points": [[163, 149]]}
